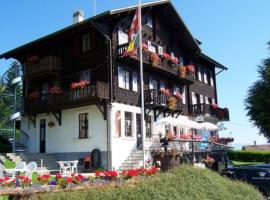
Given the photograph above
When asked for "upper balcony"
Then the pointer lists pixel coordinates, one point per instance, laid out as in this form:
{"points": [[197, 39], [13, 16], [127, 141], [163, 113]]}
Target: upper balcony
{"points": [[156, 100], [154, 63], [222, 114], [38, 67], [90, 94]]}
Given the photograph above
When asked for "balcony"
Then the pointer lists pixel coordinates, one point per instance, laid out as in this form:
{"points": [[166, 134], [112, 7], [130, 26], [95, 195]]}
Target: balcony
{"points": [[90, 94], [49, 65], [222, 114], [158, 101], [164, 68]]}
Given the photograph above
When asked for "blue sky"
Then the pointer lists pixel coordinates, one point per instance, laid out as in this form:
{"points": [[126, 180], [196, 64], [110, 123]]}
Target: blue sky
{"points": [[233, 32]]}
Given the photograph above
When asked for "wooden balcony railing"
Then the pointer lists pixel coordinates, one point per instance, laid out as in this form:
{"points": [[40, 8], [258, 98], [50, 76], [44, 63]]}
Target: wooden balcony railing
{"points": [[201, 109], [90, 94], [45, 65], [155, 99], [164, 65]]}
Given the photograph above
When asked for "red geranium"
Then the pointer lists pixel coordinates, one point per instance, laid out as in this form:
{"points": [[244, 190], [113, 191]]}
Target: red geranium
{"points": [[152, 171], [166, 56], [58, 176], [33, 95], [79, 178], [69, 180], [55, 90], [1, 180], [81, 84], [190, 68], [214, 106], [98, 173]]}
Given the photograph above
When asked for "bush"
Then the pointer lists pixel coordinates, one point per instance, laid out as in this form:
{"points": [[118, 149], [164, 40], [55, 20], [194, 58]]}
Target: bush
{"points": [[250, 156], [9, 164], [185, 183]]}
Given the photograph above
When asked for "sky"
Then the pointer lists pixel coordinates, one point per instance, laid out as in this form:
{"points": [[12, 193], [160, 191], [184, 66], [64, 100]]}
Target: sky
{"points": [[233, 32]]}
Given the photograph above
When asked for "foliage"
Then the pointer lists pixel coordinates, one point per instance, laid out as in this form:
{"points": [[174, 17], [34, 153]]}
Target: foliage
{"points": [[257, 102], [249, 156], [239, 163], [9, 164], [182, 183]]}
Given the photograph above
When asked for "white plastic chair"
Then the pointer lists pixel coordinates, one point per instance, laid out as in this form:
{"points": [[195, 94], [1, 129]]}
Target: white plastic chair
{"points": [[20, 166], [30, 168], [64, 167], [2, 169], [74, 167]]}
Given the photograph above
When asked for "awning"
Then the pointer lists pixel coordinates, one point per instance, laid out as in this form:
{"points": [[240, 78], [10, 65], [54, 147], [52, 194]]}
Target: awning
{"points": [[181, 121], [209, 126]]}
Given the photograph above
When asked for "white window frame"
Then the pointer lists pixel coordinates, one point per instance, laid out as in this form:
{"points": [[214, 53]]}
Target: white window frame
{"points": [[123, 78], [122, 36]]}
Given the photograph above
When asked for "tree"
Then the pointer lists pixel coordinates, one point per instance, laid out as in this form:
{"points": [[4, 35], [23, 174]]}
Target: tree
{"points": [[257, 102]]}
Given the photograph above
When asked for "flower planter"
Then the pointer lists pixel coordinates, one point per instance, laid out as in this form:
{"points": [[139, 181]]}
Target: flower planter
{"points": [[182, 72]]}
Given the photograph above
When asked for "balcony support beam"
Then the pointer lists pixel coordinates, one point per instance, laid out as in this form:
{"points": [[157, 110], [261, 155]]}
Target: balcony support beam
{"points": [[58, 116], [102, 106], [156, 114], [33, 119]]}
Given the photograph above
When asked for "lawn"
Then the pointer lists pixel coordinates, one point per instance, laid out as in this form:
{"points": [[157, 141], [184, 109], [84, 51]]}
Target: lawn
{"points": [[185, 182]]}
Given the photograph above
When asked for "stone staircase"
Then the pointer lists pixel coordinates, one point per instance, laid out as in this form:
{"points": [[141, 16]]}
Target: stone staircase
{"points": [[135, 160], [49, 160]]}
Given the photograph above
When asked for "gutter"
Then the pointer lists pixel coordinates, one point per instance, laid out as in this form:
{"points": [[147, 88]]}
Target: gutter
{"points": [[108, 108]]}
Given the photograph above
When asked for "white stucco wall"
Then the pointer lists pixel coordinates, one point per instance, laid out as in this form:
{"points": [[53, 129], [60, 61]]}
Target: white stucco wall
{"points": [[64, 138]]}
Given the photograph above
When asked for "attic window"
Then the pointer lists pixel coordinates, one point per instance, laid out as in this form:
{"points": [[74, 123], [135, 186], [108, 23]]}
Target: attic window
{"points": [[88, 41]]}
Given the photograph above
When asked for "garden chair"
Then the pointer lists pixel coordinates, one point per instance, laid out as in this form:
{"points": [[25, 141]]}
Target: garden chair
{"points": [[19, 166], [64, 167], [2, 170], [30, 168], [74, 167]]}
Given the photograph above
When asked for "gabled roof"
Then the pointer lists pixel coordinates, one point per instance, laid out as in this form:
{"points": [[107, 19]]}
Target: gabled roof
{"points": [[106, 14], [188, 36], [257, 147]]}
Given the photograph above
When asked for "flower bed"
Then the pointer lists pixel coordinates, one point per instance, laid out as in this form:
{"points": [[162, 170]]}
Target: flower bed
{"points": [[22, 185]]}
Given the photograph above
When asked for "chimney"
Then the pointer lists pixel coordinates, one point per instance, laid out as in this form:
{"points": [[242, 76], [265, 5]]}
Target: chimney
{"points": [[78, 16]]}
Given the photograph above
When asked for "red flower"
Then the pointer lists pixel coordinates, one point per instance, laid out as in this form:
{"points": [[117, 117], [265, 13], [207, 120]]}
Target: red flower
{"points": [[7, 179], [79, 178], [58, 176], [80, 84], [214, 106], [69, 180], [191, 68], [1, 181], [166, 56], [33, 95], [132, 173], [55, 90], [152, 171], [98, 173]]}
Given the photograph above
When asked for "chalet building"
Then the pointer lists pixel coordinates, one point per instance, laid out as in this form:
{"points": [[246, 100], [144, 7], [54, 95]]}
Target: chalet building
{"points": [[81, 92]]}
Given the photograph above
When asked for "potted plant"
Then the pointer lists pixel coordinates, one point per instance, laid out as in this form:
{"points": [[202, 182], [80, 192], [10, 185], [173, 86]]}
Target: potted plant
{"points": [[81, 84], [55, 90], [178, 96], [214, 106], [208, 161], [182, 71], [166, 92], [190, 68], [33, 95], [172, 102], [154, 59]]}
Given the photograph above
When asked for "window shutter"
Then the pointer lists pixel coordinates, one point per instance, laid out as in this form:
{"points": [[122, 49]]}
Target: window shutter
{"points": [[206, 100], [184, 95], [160, 50], [120, 77], [135, 81], [205, 77], [127, 80], [193, 98], [201, 99], [211, 80], [199, 73]]}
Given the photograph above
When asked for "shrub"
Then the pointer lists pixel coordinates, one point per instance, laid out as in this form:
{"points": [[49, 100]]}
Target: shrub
{"points": [[185, 183], [9, 164], [250, 156]]}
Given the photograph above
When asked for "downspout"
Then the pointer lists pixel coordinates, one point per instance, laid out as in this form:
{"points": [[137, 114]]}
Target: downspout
{"points": [[108, 107]]}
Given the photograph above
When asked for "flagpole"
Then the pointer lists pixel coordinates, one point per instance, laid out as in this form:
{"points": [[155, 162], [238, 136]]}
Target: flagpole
{"points": [[142, 82]]}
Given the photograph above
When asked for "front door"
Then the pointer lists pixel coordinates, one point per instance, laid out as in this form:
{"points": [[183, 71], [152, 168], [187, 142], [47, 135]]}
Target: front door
{"points": [[138, 130], [42, 136]]}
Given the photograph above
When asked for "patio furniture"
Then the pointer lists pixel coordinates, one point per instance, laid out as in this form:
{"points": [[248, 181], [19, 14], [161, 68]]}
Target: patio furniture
{"points": [[30, 168], [2, 169], [65, 167], [74, 167], [19, 168]]}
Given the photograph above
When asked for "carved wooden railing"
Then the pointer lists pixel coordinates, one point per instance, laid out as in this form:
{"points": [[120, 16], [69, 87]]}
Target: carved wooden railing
{"points": [[157, 99], [45, 64], [90, 94]]}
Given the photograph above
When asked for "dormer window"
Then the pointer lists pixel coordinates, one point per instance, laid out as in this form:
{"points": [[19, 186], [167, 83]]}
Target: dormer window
{"points": [[149, 21]]}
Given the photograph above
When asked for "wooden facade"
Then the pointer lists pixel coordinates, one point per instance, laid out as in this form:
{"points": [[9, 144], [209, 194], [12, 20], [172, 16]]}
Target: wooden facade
{"points": [[81, 52]]}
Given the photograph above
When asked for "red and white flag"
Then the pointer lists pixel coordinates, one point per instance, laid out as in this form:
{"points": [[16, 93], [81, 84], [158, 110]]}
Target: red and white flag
{"points": [[134, 25]]}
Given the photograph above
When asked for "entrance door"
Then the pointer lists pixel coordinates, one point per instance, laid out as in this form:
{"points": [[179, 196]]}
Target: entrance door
{"points": [[42, 136], [138, 129]]}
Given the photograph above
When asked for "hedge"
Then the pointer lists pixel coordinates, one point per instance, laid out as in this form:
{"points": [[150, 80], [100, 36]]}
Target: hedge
{"points": [[183, 183], [250, 156]]}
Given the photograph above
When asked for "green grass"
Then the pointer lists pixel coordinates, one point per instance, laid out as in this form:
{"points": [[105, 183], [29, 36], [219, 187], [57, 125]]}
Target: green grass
{"points": [[9, 164], [183, 183], [240, 163]]}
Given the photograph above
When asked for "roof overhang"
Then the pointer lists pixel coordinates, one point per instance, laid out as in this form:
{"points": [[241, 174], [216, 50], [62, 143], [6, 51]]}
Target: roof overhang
{"points": [[216, 63]]}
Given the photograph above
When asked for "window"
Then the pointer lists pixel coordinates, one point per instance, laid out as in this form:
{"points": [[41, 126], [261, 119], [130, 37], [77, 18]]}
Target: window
{"points": [[193, 98], [176, 90], [86, 44], [184, 95], [151, 48], [123, 78], [201, 99], [135, 81], [117, 122], [199, 73], [206, 99], [181, 61], [122, 36], [211, 79], [128, 124], [148, 126], [161, 85], [153, 83], [83, 125], [85, 75], [205, 78], [160, 50], [149, 19]]}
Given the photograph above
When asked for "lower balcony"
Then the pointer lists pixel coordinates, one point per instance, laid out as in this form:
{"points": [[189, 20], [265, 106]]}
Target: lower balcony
{"points": [[90, 94], [157, 101], [222, 114]]}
